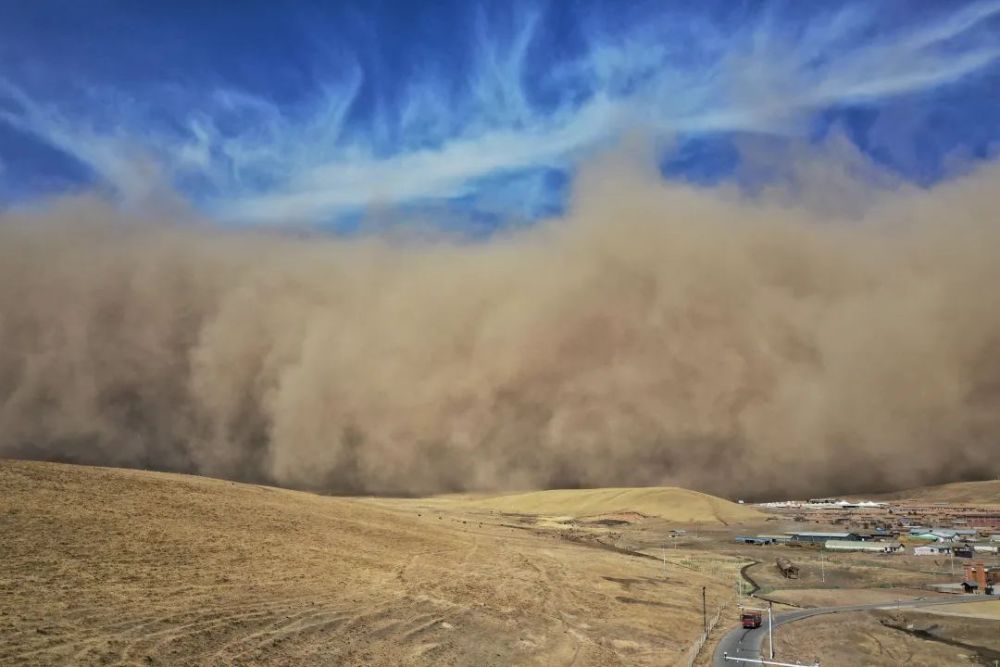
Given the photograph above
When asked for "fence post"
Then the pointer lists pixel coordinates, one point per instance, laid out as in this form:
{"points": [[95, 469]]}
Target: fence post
{"points": [[695, 650]]}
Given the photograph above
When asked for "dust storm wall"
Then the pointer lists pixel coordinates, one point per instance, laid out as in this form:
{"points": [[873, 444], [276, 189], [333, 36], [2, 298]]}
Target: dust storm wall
{"points": [[656, 334]]}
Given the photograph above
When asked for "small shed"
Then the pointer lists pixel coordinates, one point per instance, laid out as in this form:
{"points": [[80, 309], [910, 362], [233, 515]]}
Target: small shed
{"points": [[963, 551], [788, 569], [932, 550]]}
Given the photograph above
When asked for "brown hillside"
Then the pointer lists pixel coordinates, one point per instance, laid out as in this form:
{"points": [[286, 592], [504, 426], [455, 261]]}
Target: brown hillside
{"points": [[105, 566], [670, 503], [981, 493]]}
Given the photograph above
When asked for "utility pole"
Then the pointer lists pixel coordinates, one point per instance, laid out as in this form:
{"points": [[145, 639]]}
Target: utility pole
{"points": [[822, 566], [770, 636]]}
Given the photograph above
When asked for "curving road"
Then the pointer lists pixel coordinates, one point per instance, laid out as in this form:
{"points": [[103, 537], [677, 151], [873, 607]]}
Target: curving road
{"points": [[742, 643]]}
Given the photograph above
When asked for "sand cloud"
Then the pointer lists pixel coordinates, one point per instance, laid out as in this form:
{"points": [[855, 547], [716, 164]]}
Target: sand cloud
{"points": [[763, 344]]}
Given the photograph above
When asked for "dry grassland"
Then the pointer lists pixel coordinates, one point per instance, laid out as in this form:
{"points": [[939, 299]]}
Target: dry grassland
{"points": [[670, 503], [988, 609], [836, 597], [977, 493], [884, 638], [104, 566]]}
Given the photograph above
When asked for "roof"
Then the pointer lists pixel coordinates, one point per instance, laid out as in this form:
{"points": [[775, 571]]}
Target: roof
{"points": [[867, 546], [813, 534]]}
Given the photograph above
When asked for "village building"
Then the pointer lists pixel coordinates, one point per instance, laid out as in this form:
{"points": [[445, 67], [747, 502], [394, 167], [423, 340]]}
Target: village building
{"points": [[822, 538], [869, 546], [932, 550]]}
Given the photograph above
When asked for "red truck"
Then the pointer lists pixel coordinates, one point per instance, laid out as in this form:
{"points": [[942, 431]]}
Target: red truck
{"points": [[751, 619]]}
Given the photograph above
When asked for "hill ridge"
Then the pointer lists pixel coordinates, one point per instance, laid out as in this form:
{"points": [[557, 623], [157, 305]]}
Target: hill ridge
{"points": [[668, 502]]}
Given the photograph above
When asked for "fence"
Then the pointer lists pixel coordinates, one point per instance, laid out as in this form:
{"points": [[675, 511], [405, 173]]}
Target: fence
{"points": [[695, 650]]}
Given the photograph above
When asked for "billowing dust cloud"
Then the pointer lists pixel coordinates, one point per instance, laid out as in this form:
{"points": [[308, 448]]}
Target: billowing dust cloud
{"points": [[656, 334]]}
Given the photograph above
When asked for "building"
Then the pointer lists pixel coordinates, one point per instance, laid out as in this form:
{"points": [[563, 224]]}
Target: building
{"points": [[945, 534], [984, 519], [926, 535], [759, 540], [822, 538], [987, 548], [777, 539], [936, 535], [980, 577], [932, 550], [870, 546], [787, 568], [963, 550], [877, 534]]}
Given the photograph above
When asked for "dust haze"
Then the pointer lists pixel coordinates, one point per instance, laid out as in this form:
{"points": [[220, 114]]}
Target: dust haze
{"points": [[818, 337]]}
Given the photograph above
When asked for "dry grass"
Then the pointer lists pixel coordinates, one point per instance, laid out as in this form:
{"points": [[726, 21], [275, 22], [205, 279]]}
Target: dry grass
{"points": [[849, 570], [847, 596], [107, 566], [988, 609], [670, 503], [978, 493], [863, 638]]}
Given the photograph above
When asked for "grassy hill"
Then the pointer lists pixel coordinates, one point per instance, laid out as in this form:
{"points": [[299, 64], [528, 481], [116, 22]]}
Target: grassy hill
{"points": [[980, 493], [670, 503], [104, 566]]}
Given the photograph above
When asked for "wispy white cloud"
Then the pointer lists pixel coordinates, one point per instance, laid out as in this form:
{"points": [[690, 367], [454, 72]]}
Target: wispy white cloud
{"points": [[253, 160]]}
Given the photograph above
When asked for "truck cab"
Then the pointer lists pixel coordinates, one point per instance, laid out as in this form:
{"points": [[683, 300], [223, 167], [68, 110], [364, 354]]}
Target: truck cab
{"points": [[751, 619]]}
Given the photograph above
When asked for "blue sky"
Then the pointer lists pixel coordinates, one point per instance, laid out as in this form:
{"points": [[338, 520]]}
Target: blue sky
{"points": [[314, 112]]}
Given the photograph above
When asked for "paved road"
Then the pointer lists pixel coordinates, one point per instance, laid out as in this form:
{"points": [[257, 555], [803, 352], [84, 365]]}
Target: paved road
{"points": [[742, 643]]}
